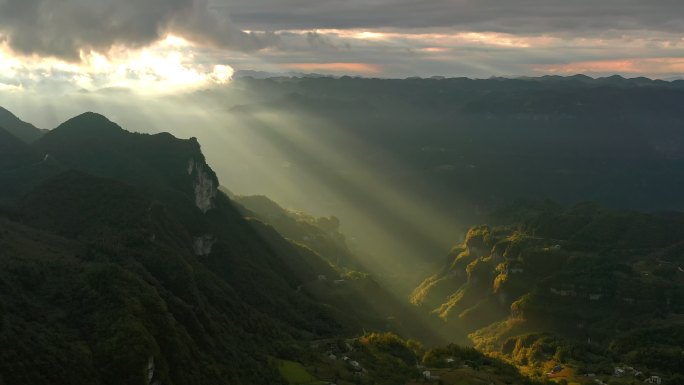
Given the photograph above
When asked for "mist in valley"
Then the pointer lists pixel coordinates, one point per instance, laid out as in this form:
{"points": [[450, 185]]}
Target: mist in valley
{"points": [[304, 160], [431, 215]]}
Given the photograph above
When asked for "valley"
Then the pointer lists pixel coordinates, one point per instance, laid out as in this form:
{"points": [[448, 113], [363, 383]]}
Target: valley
{"points": [[125, 257]]}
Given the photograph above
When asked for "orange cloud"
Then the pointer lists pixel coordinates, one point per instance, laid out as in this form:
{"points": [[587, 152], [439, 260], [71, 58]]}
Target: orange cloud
{"points": [[632, 66], [356, 68], [439, 39], [435, 49]]}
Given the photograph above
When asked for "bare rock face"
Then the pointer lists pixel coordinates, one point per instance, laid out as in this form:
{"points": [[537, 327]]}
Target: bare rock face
{"points": [[150, 370], [203, 245], [204, 186]]}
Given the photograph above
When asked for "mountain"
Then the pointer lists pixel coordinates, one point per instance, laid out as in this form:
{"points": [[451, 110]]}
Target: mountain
{"points": [[26, 132], [587, 287], [129, 262], [158, 163]]}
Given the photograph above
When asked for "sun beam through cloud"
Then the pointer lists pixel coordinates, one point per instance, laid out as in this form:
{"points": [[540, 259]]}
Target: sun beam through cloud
{"points": [[167, 66]]}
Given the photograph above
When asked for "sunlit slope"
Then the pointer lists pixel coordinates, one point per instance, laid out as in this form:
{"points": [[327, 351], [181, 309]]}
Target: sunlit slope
{"points": [[351, 287], [554, 283]]}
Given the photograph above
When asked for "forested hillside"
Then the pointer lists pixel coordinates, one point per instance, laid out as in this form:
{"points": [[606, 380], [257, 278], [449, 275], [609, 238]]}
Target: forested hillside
{"points": [[125, 260], [587, 287]]}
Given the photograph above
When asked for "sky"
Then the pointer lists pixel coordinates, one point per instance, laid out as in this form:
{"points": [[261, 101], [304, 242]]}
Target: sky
{"points": [[169, 45]]}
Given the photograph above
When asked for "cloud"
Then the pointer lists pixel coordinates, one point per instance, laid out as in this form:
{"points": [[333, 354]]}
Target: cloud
{"points": [[67, 28], [348, 68], [441, 51], [509, 16], [319, 41], [390, 38], [625, 66], [166, 66]]}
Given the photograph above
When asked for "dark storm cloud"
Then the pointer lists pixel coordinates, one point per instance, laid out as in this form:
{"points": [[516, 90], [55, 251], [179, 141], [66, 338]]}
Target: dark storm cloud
{"points": [[62, 28], [412, 36], [514, 16]]}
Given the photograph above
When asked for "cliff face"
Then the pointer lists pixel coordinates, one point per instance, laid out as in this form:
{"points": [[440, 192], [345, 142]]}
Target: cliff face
{"points": [[205, 185]]}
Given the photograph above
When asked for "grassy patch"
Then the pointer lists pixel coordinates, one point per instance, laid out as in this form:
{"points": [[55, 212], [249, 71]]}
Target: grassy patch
{"points": [[295, 373]]}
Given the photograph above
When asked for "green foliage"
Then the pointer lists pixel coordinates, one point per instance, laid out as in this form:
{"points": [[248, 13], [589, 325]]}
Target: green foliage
{"points": [[455, 356], [479, 237], [355, 275], [437, 357], [388, 358], [391, 344], [294, 372]]}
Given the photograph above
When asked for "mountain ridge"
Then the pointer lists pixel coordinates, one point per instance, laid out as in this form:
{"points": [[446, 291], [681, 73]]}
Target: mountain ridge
{"points": [[27, 132]]}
